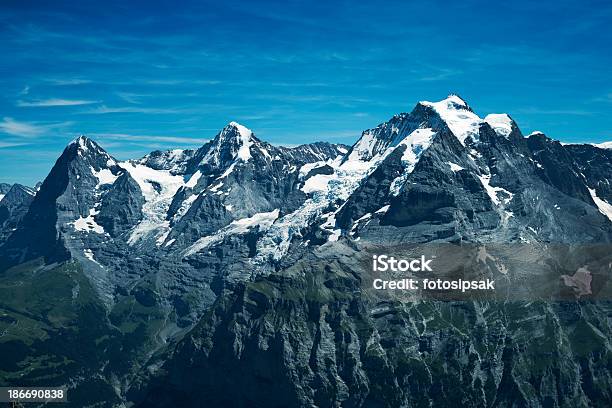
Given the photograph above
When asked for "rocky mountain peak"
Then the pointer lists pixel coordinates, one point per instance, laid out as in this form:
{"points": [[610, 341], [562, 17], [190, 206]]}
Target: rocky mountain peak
{"points": [[83, 143], [85, 148], [234, 141], [20, 189], [452, 112], [536, 133], [232, 144], [457, 115], [452, 101]]}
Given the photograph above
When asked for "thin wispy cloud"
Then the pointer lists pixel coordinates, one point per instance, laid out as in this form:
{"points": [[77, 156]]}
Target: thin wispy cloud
{"points": [[101, 110], [65, 82], [540, 111], [4, 145], [125, 137], [55, 102], [13, 127], [604, 98], [130, 97], [440, 74], [25, 129]]}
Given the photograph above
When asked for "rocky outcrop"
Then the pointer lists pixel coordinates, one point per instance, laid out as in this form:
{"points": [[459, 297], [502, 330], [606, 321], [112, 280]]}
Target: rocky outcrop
{"points": [[13, 207], [121, 206]]}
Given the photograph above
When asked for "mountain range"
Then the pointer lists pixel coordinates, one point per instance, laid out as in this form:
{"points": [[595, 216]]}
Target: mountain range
{"points": [[231, 275]]}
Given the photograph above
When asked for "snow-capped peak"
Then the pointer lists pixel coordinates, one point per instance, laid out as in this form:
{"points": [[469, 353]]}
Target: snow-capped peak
{"points": [[459, 117], [244, 153], [456, 100], [83, 142], [85, 147], [500, 122], [244, 131], [233, 142]]}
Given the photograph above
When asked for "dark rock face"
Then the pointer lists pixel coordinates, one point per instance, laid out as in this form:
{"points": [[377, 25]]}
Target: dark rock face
{"points": [[230, 275], [595, 165], [557, 167], [298, 339], [310, 153], [173, 160], [13, 207], [121, 207]]}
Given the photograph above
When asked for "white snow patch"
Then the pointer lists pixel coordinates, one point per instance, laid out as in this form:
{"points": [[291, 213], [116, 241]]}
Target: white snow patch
{"points": [[475, 154], [604, 145], [364, 218], [604, 207], [1, 196], [265, 153], [363, 150], [104, 176], [162, 238], [335, 235], [317, 183], [227, 171], [244, 153], [383, 209], [193, 180], [89, 255], [330, 220], [88, 224], [261, 220], [455, 167], [305, 169], [493, 191], [500, 122], [156, 204], [185, 206], [461, 121], [216, 187], [82, 143], [416, 143]]}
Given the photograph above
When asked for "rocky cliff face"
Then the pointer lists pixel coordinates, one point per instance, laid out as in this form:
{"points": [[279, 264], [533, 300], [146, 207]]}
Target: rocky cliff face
{"points": [[245, 258], [14, 204], [310, 336]]}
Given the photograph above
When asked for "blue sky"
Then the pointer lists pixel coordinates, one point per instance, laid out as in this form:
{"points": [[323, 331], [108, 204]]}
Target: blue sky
{"points": [[139, 76]]}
